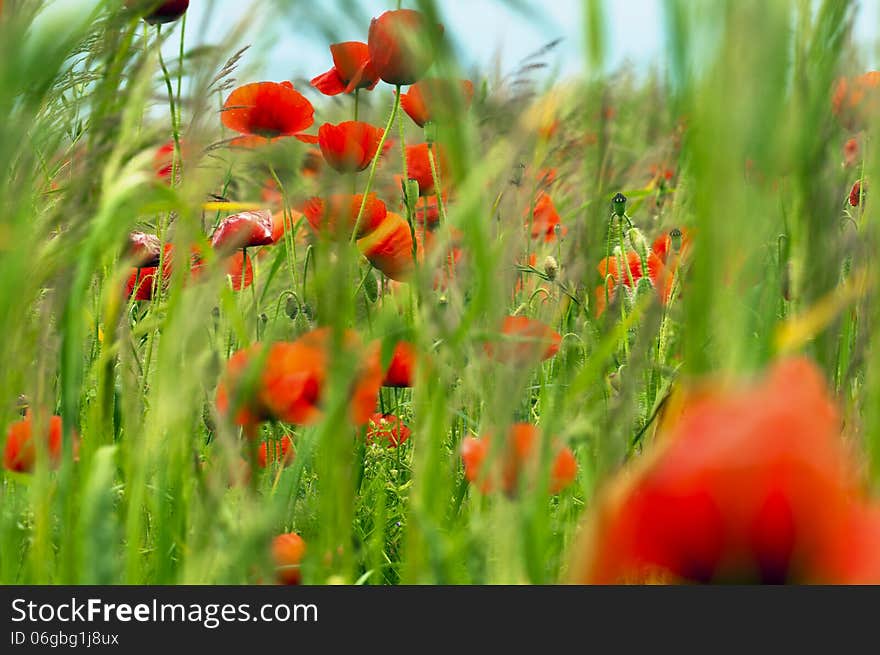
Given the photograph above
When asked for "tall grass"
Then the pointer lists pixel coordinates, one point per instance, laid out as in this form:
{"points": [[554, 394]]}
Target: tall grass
{"points": [[740, 110]]}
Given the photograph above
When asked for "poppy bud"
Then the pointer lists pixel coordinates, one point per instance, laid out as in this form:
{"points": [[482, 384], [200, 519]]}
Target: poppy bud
{"points": [[857, 193], [411, 195], [618, 204], [160, 12], [675, 238], [291, 307]]}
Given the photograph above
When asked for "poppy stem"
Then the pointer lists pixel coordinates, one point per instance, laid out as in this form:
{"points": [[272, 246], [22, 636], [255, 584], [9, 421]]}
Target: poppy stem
{"points": [[374, 165], [289, 227], [357, 98], [435, 175]]}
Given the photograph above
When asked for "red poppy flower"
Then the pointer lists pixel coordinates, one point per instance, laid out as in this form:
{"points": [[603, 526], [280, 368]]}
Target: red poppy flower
{"points": [[165, 12], [387, 428], [244, 230], [290, 382], [390, 247], [519, 459], [418, 166], [327, 216], [401, 368], [661, 276], [278, 451], [400, 46], [435, 99], [351, 70], [20, 452], [288, 551], [545, 220], [750, 484], [144, 249], [267, 111], [240, 270], [283, 221], [523, 340], [856, 193], [350, 146], [139, 284]]}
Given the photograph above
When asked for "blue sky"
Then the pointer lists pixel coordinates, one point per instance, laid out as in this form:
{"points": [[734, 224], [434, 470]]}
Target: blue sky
{"points": [[290, 37]]}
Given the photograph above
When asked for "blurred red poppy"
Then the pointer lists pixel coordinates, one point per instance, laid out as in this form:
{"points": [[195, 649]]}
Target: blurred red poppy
{"points": [[851, 152], [288, 551], [435, 99], [390, 247], [244, 230], [856, 100], [312, 162], [428, 212], [418, 166], [144, 249], [517, 460], [276, 451], [545, 223], [159, 12], [401, 368], [400, 46], [237, 265], [350, 146], [20, 452], [290, 380], [163, 161], [523, 340], [388, 429], [750, 484], [337, 214], [351, 70], [267, 111]]}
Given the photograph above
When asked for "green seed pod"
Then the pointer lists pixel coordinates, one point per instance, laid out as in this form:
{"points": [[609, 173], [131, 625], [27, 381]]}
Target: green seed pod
{"points": [[618, 204], [430, 133], [371, 287]]}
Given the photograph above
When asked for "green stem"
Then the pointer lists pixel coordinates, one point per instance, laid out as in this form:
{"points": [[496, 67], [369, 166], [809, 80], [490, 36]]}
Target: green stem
{"points": [[374, 165]]}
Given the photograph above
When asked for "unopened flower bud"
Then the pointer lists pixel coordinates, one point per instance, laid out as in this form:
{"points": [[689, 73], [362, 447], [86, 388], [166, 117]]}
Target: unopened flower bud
{"points": [[618, 204], [675, 239], [371, 287], [551, 267], [411, 196]]}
